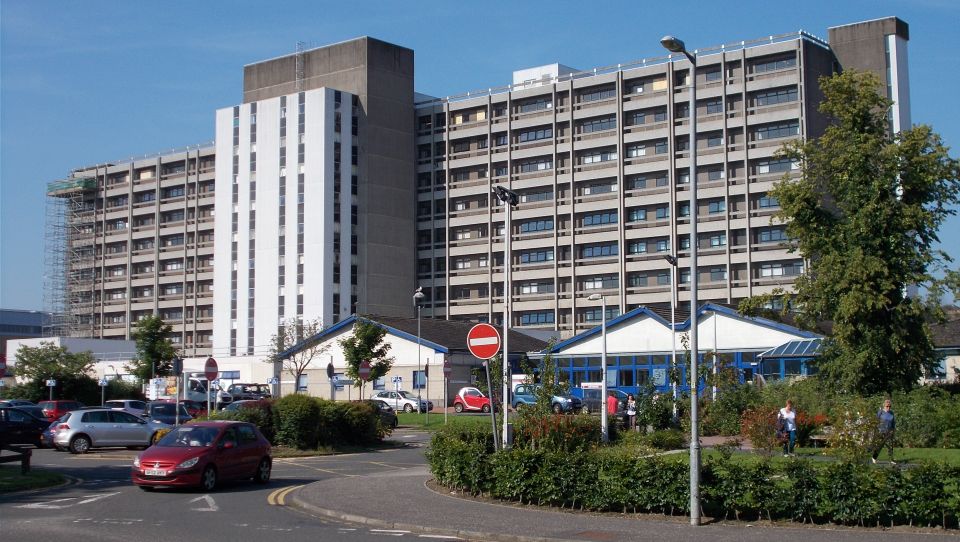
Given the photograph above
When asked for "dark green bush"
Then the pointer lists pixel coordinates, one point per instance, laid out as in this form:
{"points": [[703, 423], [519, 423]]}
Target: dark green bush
{"points": [[297, 421], [460, 457], [360, 424], [260, 414], [556, 431], [722, 417]]}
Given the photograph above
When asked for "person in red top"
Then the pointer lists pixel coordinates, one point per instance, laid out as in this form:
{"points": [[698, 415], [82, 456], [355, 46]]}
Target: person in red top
{"points": [[611, 404]]}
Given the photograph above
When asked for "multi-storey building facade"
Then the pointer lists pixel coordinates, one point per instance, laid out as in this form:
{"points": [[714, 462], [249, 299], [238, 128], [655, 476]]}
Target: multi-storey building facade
{"points": [[600, 161], [137, 240], [338, 191]]}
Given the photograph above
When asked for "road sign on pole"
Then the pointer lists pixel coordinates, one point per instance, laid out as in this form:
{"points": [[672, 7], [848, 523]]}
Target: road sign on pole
{"points": [[364, 370], [210, 369], [483, 340], [447, 369]]}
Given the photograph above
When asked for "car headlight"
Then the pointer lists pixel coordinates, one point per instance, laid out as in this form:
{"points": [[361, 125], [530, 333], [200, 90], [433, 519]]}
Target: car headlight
{"points": [[188, 463], [136, 461]]}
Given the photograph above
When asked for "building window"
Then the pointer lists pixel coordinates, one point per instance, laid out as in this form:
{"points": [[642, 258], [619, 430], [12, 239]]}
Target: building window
{"points": [[637, 247], [419, 380], [777, 166], [781, 269], [719, 206], [767, 202], [599, 250], [538, 104], [598, 125], [536, 256], [596, 94], [718, 274], [775, 96], [533, 135], [601, 282], [540, 164], [636, 280], [637, 215], [663, 278], [683, 209], [718, 240], [536, 318], [663, 213], [684, 242], [599, 219], [663, 245], [776, 130], [536, 287], [713, 106], [543, 224], [598, 156], [773, 235], [774, 64]]}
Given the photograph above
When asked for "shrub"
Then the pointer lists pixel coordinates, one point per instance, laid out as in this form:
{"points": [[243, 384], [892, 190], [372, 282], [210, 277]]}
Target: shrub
{"points": [[557, 432], [722, 417], [807, 425], [460, 457], [666, 439], [759, 425], [260, 414], [297, 421], [360, 424]]}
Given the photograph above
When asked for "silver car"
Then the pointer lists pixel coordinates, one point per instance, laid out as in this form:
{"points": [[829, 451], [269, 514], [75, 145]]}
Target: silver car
{"points": [[81, 430], [133, 406], [402, 400]]}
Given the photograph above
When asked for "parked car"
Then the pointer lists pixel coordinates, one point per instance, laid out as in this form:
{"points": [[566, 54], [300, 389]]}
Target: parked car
{"points": [[34, 411], [470, 398], [203, 454], [589, 394], [197, 409], [525, 395], [16, 402], [17, 426], [241, 392], [403, 400], [54, 409], [81, 430], [388, 416], [133, 406], [245, 403], [48, 435], [165, 411]]}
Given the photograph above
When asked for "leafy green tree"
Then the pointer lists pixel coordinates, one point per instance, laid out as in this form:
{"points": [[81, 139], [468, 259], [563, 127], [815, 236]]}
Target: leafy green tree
{"points": [[297, 333], [155, 352], [35, 365], [549, 384], [366, 344], [865, 215]]}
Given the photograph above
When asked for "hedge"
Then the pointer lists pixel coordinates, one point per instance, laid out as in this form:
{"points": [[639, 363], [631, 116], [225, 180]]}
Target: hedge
{"points": [[621, 479]]}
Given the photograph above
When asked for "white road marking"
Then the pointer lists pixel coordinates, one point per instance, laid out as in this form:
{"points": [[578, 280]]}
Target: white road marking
{"points": [[480, 341], [389, 532], [440, 536], [211, 504], [51, 505]]}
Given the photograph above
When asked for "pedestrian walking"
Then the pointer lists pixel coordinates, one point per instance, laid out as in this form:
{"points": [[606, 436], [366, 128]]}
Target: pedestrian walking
{"points": [[886, 427], [632, 411], [788, 418]]}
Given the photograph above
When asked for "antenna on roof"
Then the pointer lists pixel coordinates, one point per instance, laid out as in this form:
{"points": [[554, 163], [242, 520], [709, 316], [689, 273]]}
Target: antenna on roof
{"points": [[300, 67]]}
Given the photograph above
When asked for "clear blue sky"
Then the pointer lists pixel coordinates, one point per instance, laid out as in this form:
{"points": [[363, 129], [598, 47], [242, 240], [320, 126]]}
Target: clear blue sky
{"points": [[95, 81]]}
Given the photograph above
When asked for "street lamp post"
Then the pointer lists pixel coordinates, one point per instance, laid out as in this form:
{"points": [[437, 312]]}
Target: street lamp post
{"points": [[672, 260], [417, 297], [675, 45], [511, 199], [604, 430]]}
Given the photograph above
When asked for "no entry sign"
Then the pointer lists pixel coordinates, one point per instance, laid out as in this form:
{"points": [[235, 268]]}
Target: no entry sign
{"points": [[483, 340], [210, 369], [364, 370]]}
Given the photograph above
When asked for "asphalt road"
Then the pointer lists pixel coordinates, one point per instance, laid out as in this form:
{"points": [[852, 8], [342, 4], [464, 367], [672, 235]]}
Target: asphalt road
{"points": [[102, 505]]}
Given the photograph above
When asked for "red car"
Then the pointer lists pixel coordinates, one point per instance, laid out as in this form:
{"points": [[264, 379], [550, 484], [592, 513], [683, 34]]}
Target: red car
{"points": [[471, 399], [203, 454], [54, 409]]}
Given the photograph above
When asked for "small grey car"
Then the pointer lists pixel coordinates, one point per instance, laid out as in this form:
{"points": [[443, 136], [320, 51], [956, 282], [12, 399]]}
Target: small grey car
{"points": [[81, 430]]}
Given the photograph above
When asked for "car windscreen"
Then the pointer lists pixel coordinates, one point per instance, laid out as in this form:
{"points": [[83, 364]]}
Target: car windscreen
{"points": [[407, 395], [167, 409], [189, 436]]}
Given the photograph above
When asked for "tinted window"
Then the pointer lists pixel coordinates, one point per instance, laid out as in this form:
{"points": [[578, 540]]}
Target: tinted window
{"points": [[17, 416], [230, 435], [123, 417], [246, 433], [138, 404], [99, 416]]}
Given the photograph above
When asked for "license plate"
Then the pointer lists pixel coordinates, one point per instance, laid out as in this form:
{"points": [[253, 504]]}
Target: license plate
{"points": [[155, 472]]}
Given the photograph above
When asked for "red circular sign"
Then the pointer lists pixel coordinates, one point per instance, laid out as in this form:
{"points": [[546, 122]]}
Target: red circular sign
{"points": [[483, 340], [210, 369], [447, 369], [364, 371]]}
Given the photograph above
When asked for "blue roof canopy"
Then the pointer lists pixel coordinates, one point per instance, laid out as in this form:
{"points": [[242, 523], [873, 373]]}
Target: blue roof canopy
{"points": [[800, 348]]}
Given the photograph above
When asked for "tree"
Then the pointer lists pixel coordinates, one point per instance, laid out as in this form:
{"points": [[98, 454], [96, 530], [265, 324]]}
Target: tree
{"points": [[865, 215], [366, 344], [35, 365], [155, 352], [297, 333]]}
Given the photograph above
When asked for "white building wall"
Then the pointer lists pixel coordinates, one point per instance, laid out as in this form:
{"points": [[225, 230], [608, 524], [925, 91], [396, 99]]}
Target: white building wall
{"points": [[222, 264]]}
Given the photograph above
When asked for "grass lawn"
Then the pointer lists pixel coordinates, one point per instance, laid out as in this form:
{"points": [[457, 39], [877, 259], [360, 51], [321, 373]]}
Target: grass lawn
{"points": [[418, 420], [12, 480]]}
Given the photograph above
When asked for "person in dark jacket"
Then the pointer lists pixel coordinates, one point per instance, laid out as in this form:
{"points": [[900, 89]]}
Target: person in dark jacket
{"points": [[886, 426]]}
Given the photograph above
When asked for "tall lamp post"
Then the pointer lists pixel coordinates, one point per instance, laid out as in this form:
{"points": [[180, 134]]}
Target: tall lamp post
{"points": [[672, 260], [511, 199], [417, 298], [604, 430], [675, 45]]}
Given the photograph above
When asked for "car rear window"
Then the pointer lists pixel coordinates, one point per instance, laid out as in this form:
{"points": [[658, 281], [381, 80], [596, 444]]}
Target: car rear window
{"points": [[97, 416]]}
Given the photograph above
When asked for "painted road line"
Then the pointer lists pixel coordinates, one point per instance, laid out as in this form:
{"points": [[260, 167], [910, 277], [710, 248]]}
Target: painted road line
{"points": [[389, 532], [58, 504], [278, 496]]}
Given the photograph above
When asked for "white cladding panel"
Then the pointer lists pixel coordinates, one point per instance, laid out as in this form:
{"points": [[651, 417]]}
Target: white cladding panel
{"points": [[267, 227], [318, 205], [223, 206]]}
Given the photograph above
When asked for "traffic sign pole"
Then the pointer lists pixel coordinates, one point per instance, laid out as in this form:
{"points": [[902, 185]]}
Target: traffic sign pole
{"points": [[446, 384], [483, 341]]}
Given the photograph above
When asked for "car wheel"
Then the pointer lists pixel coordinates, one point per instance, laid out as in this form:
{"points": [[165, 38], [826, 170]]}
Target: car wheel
{"points": [[458, 407], [263, 471], [557, 409], [394, 423], [80, 444], [408, 408], [208, 481], [485, 409]]}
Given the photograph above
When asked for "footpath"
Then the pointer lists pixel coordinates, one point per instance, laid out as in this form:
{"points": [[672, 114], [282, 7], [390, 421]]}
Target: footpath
{"points": [[401, 500]]}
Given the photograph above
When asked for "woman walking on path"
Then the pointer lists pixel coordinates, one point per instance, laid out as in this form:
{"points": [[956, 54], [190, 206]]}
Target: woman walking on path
{"points": [[788, 418], [632, 411], [887, 425]]}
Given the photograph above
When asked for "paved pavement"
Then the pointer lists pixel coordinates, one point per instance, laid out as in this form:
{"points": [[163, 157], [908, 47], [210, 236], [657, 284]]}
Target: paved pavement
{"points": [[401, 501]]}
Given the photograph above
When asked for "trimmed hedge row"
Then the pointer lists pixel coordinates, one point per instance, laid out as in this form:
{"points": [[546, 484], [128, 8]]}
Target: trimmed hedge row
{"points": [[306, 423], [619, 479]]}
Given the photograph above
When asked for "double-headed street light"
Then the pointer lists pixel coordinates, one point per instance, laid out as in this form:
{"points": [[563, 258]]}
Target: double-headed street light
{"points": [[511, 199], [675, 45], [417, 298], [604, 430]]}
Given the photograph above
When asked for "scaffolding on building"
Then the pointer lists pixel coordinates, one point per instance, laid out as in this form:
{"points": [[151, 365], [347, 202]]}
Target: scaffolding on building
{"points": [[69, 257]]}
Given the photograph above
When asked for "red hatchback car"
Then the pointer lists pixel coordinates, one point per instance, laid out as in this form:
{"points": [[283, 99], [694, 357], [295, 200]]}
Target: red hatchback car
{"points": [[54, 409], [471, 399], [203, 454]]}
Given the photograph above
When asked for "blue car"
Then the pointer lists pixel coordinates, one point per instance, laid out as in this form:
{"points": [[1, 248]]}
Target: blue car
{"points": [[525, 395], [166, 412]]}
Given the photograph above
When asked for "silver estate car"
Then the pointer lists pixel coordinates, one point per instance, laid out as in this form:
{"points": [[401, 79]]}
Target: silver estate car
{"points": [[81, 430]]}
